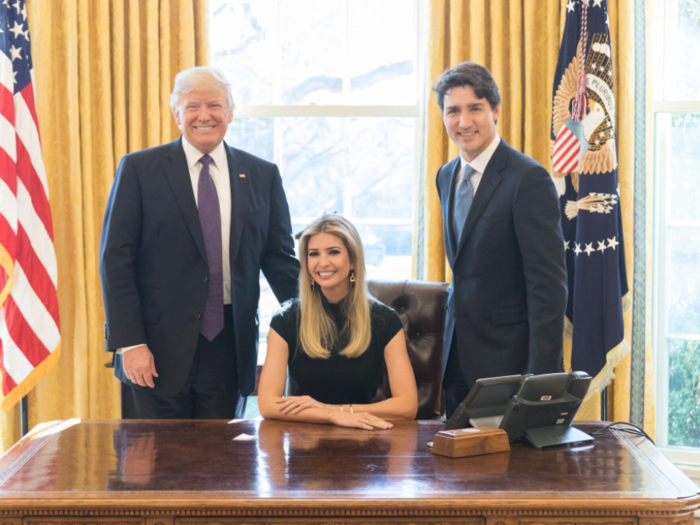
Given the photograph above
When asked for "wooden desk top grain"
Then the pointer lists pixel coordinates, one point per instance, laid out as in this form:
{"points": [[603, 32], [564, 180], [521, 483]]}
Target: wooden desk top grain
{"points": [[287, 466]]}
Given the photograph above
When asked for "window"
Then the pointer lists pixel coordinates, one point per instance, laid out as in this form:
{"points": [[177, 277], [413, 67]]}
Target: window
{"points": [[677, 226], [329, 91]]}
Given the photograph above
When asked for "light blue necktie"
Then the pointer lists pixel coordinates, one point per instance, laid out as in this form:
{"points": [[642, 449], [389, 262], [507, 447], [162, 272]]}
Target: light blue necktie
{"points": [[463, 201]]}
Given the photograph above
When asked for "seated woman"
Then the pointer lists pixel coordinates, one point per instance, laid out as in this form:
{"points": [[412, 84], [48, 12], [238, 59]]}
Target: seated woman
{"points": [[335, 339]]}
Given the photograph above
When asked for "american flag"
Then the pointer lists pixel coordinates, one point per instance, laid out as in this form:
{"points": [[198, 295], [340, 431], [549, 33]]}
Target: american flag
{"points": [[29, 321], [583, 116]]}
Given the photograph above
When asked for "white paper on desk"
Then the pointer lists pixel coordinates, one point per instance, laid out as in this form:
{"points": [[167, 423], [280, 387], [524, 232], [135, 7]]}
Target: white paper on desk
{"points": [[243, 437]]}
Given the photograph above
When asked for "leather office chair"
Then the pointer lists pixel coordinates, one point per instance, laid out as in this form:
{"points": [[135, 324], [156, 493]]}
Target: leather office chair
{"points": [[421, 307]]}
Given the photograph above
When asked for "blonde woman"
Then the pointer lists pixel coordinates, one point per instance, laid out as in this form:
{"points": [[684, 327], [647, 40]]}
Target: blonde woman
{"points": [[335, 339]]}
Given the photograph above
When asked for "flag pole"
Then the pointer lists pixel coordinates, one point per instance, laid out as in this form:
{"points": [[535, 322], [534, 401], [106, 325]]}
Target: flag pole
{"points": [[24, 416]]}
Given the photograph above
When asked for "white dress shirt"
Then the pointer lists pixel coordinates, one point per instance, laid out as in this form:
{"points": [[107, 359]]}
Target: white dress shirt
{"points": [[479, 163], [218, 170], [220, 175]]}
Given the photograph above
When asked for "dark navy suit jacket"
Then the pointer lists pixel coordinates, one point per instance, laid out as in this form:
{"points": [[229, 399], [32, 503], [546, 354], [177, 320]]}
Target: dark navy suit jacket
{"points": [[508, 297], [154, 268]]}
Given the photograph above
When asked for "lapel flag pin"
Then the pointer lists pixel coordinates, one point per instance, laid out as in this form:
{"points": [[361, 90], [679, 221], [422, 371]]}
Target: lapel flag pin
{"points": [[241, 175]]}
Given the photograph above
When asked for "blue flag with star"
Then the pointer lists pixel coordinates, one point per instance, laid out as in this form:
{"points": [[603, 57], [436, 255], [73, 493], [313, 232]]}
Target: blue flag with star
{"points": [[584, 169]]}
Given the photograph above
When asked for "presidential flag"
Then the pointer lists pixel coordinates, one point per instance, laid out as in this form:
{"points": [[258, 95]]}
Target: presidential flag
{"points": [[29, 322], [584, 168]]}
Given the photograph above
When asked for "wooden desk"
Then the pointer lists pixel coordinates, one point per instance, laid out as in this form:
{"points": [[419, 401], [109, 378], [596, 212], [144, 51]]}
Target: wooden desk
{"points": [[196, 473]]}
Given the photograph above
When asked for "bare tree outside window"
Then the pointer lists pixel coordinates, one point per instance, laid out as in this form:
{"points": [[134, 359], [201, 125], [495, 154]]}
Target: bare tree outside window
{"points": [[328, 90]]}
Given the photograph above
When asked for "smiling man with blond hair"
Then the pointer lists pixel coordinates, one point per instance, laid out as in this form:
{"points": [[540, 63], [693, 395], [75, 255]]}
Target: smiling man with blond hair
{"points": [[188, 227]]}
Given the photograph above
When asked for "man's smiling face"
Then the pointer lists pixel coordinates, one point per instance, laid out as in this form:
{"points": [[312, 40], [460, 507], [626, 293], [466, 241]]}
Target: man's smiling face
{"points": [[470, 121], [203, 117]]}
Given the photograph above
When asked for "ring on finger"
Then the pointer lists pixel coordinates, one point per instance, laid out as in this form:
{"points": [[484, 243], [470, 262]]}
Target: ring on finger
{"points": [[366, 421]]}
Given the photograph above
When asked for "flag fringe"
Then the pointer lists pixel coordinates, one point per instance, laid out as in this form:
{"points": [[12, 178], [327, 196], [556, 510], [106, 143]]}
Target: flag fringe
{"points": [[627, 302], [8, 265], [612, 358], [568, 329], [607, 374], [21, 390]]}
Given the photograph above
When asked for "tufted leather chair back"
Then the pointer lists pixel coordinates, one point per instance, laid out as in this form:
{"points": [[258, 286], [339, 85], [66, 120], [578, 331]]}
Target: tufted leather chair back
{"points": [[421, 307]]}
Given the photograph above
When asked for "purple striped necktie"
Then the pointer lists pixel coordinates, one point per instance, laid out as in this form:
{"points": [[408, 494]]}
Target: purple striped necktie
{"points": [[210, 220]]}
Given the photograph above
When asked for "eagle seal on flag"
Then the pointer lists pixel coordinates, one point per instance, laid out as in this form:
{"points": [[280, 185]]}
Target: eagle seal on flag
{"points": [[584, 170], [585, 141]]}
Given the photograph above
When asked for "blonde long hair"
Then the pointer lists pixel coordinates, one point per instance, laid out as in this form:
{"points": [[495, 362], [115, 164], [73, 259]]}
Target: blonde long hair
{"points": [[317, 330]]}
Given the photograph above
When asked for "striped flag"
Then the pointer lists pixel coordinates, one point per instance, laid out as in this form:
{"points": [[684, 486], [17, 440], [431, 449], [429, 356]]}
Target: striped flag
{"points": [[569, 145], [583, 122], [566, 152], [29, 321]]}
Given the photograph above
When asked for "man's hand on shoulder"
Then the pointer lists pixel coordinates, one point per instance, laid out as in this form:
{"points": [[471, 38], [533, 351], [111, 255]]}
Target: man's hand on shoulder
{"points": [[139, 366]]}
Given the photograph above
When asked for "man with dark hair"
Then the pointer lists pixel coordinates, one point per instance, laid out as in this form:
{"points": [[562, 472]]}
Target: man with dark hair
{"points": [[469, 74], [503, 241]]}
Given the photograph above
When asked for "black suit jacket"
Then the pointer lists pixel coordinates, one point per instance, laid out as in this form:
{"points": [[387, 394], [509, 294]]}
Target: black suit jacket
{"points": [[508, 298], [154, 268]]}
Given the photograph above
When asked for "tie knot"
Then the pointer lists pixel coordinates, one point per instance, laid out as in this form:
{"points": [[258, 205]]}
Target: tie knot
{"points": [[206, 160], [467, 173]]}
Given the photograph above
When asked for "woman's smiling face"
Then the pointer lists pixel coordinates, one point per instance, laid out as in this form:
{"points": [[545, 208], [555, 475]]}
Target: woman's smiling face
{"points": [[329, 264]]}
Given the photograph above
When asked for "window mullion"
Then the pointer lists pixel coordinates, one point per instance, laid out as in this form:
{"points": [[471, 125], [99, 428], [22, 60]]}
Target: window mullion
{"points": [[347, 182], [346, 65], [277, 87], [661, 271]]}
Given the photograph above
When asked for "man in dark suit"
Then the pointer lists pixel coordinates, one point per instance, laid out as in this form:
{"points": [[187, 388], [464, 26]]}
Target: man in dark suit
{"points": [[503, 241], [188, 227]]}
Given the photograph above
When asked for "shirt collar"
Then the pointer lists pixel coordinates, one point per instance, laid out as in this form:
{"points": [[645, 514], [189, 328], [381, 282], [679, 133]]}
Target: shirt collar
{"points": [[193, 155], [479, 163]]}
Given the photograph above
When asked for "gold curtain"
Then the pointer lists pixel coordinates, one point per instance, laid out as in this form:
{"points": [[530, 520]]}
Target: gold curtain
{"points": [[518, 40], [104, 71]]}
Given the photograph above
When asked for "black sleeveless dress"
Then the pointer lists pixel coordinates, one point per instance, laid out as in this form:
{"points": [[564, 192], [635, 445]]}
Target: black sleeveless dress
{"points": [[338, 379]]}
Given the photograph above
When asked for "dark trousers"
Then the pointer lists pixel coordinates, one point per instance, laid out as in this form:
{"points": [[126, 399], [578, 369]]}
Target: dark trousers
{"points": [[454, 383], [210, 392]]}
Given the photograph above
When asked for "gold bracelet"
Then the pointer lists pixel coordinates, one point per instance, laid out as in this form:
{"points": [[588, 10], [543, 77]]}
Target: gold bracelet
{"points": [[350, 408], [341, 408]]}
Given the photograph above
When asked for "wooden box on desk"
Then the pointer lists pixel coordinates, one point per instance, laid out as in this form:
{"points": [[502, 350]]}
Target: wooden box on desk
{"points": [[470, 442]]}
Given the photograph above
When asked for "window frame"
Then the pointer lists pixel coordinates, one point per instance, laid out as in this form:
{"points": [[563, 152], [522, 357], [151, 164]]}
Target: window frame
{"points": [[687, 458], [364, 111]]}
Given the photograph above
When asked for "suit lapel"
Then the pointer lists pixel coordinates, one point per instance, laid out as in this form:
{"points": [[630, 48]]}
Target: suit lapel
{"points": [[489, 182], [178, 175], [240, 176], [449, 234]]}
